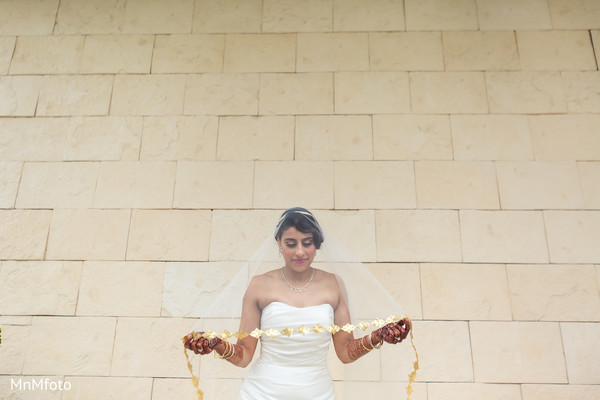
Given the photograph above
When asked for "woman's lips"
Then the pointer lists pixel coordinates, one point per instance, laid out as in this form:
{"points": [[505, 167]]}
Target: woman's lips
{"points": [[300, 261]]}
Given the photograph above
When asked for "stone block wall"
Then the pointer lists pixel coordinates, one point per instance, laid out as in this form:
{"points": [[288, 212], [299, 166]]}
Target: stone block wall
{"points": [[452, 145]]}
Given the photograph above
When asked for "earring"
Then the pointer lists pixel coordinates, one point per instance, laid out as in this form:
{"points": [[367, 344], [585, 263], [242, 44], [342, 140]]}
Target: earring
{"points": [[280, 252]]}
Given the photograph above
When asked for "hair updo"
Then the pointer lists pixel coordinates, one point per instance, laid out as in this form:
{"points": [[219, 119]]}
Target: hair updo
{"points": [[301, 219]]}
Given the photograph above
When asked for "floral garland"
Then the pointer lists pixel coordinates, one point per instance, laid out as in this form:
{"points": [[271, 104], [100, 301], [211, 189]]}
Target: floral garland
{"points": [[318, 329]]}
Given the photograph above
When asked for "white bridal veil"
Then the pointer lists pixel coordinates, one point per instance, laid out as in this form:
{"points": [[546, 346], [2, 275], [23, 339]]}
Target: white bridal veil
{"points": [[370, 306]]}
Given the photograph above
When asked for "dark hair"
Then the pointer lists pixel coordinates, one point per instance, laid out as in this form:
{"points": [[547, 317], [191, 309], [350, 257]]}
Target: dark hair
{"points": [[301, 219]]}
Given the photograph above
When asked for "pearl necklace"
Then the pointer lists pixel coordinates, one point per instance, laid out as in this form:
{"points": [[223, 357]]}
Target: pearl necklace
{"points": [[300, 289]]}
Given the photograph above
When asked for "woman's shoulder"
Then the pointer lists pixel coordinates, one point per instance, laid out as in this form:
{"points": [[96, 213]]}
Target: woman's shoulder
{"points": [[265, 278]]}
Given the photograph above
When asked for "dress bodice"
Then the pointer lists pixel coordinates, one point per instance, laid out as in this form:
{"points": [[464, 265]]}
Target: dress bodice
{"points": [[309, 349], [291, 367]]}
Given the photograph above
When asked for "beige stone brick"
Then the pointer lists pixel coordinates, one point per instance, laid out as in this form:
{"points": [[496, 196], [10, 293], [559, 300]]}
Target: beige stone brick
{"points": [[170, 388], [514, 352], [556, 50], [473, 391], [214, 184], [90, 17], [412, 137], [368, 15], [448, 93], [156, 16], [347, 137], [351, 229], [212, 16], [406, 51], [560, 392], [332, 52], [39, 287], [148, 95], [19, 95], [56, 54], [436, 15], [513, 14], [256, 138], [178, 235], [304, 93], [582, 346], [491, 137], [88, 234], [280, 184], [117, 54], [579, 14], [98, 388], [57, 185], [297, 16], [465, 292], [573, 236], [358, 389], [503, 236], [371, 93], [163, 356], [7, 47], [374, 184], [23, 234], [70, 95], [539, 185], [145, 184], [190, 288], [179, 138], [103, 138], [188, 53], [10, 176], [403, 282], [418, 235], [589, 174], [32, 139], [106, 289], [566, 137], [260, 53], [582, 90], [221, 94], [22, 320], [253, 226], [525, 92], [456, 184], [444, 353], [61, 345], [13, 356], [28, 18], [480, 51], [554, 292]]}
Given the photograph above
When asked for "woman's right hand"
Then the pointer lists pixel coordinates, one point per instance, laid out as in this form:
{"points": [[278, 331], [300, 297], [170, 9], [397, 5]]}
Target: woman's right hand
{"points": [[201, 345]]}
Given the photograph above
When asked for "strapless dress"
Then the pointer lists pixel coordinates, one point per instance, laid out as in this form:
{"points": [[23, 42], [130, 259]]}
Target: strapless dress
{"points": [[294, 367]]}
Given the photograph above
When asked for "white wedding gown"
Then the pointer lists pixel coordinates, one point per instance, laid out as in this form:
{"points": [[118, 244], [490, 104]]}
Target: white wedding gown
{"points": [[295, 367]]}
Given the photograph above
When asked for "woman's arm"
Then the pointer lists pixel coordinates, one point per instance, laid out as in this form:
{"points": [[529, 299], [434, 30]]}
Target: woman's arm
{"points": [[349, 349], [241, 353]]}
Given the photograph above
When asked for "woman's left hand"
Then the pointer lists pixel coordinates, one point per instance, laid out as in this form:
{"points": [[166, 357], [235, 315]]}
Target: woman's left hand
{"points": [[393, 333]]}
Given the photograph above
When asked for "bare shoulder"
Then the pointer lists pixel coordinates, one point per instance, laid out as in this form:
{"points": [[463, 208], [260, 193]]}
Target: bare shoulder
{"points": [[260, 283], [328, 278]]}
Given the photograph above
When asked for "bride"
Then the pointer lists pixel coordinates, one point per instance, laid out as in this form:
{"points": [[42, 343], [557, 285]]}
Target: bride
{"points": [[293, 362]]}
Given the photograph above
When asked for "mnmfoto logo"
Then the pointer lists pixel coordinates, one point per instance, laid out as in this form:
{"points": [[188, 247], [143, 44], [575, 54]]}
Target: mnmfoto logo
{"points": [[40, 384]]}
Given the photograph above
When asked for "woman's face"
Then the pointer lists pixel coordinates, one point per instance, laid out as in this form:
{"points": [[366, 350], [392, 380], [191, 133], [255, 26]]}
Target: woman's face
{"points": [[297, 248]]}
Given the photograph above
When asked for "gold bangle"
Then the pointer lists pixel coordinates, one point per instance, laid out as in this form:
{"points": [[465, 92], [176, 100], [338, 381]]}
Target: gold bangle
{"points": [[227, 353], [363, 345], [371, 342]]}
